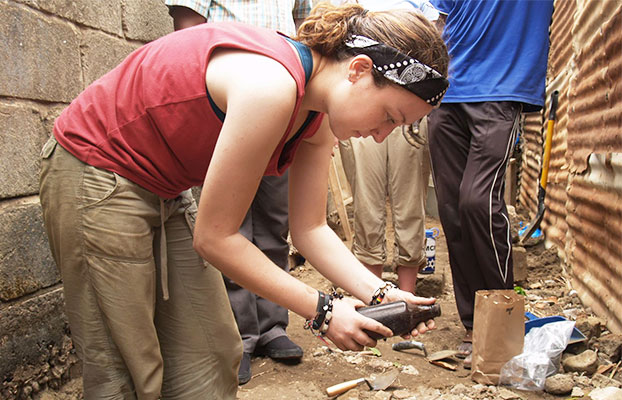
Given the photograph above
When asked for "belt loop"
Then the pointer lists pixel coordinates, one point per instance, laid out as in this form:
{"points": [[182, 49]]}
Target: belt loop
{"points": [[163, 252]]}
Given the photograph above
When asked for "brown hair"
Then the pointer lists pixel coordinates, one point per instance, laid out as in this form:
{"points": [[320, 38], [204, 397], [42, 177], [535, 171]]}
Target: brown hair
{"points": [[328, 26]]}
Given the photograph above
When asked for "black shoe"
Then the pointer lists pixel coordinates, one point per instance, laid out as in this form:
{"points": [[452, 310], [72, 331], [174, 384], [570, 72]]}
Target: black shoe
{"points": [[281, 348], [244, 374]]}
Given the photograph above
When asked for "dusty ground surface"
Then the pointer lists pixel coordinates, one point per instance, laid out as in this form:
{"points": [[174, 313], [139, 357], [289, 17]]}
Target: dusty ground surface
{"points": [[548, 293]]}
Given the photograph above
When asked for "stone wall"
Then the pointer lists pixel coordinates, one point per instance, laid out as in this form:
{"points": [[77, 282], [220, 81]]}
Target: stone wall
{"points": [[50, 50]]}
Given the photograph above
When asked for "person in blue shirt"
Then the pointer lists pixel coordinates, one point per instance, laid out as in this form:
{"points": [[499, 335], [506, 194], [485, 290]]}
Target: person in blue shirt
{"points": [[498, 52]]}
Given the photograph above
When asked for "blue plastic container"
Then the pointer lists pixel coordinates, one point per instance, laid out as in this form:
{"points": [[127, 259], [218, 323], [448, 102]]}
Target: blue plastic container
{"points": [[535, 322]]}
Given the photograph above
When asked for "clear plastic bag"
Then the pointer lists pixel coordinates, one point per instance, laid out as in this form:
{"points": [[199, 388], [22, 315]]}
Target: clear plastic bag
{"points": [[540, 357]]}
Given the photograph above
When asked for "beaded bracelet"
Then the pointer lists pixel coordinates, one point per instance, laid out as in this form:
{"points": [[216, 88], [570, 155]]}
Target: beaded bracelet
{"points": [[379, 293], [324, 313]]}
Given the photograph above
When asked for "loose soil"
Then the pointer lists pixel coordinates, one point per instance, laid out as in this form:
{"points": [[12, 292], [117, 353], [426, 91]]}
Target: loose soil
{"points": [[323, 365]]}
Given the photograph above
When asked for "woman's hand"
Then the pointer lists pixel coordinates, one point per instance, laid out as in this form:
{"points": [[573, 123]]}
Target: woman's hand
{"points": [[346, 326], [395, 294]]}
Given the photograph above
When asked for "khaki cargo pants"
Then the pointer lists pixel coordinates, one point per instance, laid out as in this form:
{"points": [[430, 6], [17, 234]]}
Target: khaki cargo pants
{"points": [[106, 237], [400, 171]]}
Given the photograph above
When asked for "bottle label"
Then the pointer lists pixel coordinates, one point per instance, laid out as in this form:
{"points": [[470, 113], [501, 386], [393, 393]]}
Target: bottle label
{"points": [[430, 254]]}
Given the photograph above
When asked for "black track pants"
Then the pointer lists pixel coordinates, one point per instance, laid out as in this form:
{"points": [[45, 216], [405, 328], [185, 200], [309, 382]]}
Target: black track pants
{"points": [[470, 145]]}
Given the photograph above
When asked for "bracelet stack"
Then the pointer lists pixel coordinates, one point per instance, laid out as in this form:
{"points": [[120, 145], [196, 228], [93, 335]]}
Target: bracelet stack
{"points": [[324, 314], [379, 293]]}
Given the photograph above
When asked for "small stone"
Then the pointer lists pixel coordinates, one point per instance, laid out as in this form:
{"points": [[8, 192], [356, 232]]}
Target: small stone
{"points": [[57, 372], [353, 394], [402, 394], [319, 352], [601, 381], [610, 347], [356, 359], [506, 394], [582, 380], [590, 326], [559, 384], [479, 387], [585, 362], [410, 370], [379, 364], [27, 391], [382, 395], [608, 393], [460, 389], [577, 392]]}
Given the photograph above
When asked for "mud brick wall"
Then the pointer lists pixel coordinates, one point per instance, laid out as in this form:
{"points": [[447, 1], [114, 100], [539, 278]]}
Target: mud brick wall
{"points": [[50, 50]]}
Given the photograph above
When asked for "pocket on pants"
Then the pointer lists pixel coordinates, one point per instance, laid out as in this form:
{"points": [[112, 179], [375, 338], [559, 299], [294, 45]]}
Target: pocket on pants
{"points": [[98, 185]]}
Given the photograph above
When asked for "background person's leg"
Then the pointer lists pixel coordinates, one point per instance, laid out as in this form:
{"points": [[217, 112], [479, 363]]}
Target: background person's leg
{"points": [[483, 213], [407, 189], [270, 226], [449, 140], [369, 194]]}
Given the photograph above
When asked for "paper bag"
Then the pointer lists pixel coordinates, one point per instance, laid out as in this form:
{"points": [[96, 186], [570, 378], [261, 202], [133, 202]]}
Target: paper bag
{"points": [[498, 332]]}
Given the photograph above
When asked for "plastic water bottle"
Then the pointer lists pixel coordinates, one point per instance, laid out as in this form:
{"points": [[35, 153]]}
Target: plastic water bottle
{"points": [[430, 251]]}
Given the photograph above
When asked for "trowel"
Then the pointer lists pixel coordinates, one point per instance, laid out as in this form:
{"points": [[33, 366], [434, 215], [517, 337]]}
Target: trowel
{"points": [[439, 358], [378, 382]]}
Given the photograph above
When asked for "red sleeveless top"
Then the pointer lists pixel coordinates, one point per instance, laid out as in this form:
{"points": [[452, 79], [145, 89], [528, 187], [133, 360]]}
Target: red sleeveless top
{"points": [[149, 119]]}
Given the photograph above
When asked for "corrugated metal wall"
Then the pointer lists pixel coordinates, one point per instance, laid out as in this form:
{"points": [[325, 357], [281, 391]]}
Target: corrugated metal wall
{"points": [[584, 194]]}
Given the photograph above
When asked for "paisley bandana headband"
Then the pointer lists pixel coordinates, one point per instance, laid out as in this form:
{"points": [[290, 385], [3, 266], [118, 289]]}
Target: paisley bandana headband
{"points": [[399, 68]]}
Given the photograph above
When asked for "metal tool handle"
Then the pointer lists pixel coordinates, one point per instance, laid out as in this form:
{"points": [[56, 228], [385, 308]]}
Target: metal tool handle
{"points": [[409, 344], [343, 387]]}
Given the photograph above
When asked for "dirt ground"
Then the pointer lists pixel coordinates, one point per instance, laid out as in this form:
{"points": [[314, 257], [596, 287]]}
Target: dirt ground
{"points": [[323, 365]]}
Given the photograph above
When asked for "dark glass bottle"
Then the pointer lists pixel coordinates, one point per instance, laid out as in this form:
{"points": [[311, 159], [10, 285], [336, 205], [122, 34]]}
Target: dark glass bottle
{"points": [[398, 317]]}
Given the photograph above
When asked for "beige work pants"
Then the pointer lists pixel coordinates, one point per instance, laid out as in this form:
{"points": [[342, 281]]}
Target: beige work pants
{"points": [[400, 171], [105, 234]]}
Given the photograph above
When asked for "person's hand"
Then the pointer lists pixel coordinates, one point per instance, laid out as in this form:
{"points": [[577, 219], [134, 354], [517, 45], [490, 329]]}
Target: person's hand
{"points": [[395, 294], [346, 326]]}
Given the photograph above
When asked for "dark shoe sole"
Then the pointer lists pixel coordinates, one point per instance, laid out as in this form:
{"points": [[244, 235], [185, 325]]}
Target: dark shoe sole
{"points": [[243, 379], [244, 376], [281, 348], [289, 354]]}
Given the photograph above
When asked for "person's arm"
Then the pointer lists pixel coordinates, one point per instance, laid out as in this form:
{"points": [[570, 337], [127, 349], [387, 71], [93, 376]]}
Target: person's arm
{"points": [[316, 241], [257, 112], [184, 17]]}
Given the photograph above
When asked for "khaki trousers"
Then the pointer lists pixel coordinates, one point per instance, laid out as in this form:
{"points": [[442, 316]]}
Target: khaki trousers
{"points": [[400, 171], [107, 237]]}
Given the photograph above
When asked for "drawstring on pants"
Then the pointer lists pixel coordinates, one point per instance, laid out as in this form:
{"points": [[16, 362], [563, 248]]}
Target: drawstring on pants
{"points": [[169, 207], [163, 251]]}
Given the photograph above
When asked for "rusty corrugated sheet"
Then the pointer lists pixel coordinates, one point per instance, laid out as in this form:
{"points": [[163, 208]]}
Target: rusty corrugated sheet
{"points": [[595, 119], [594, 250], [561, 36], [560, 71], [584, 198]]}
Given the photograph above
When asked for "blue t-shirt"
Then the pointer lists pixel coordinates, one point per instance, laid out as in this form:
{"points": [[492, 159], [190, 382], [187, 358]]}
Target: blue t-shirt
{"points": [[498, 50]]}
